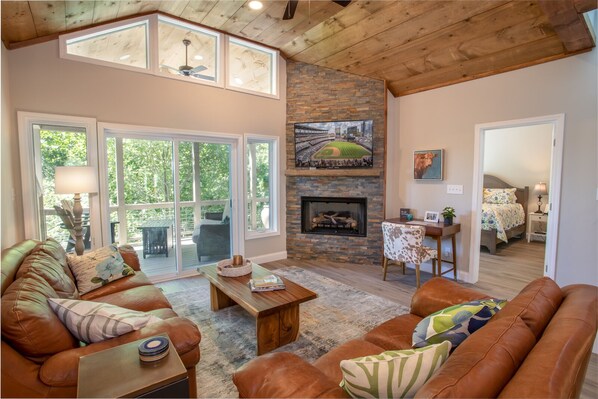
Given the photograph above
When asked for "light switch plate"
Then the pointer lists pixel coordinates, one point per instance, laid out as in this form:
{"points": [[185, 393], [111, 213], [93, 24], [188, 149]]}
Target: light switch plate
{"points": [[454, 189]]}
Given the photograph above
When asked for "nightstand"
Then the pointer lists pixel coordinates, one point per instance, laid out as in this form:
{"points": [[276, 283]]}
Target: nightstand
{"points": [[117, 372], [537, 223]]}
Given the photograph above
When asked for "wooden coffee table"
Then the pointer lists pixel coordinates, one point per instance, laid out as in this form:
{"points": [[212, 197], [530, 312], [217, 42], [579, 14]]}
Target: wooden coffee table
{"points": [[276, 312]]}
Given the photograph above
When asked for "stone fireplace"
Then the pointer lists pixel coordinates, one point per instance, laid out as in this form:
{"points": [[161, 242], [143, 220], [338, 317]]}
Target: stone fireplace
{"points": [[334, 216], [347, 204]]}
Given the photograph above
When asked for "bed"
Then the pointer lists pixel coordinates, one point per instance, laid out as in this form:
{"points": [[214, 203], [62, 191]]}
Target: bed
{"points": [[502, 221]]}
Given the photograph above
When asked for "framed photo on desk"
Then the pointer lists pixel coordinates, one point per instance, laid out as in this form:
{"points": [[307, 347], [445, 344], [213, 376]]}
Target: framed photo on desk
{"points": [[431, 216]]}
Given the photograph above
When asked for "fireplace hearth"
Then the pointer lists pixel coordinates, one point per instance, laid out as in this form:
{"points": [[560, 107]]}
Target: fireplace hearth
{"points": [[344, 216]]}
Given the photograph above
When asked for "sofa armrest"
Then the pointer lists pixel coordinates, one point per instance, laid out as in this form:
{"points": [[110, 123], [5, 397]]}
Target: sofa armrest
{"points": [[439, 293], [284, 375], [62, 368]]}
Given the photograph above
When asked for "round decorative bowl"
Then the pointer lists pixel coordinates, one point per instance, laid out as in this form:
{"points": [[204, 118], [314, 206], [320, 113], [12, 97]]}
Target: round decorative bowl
{"points": [[227, 269]]}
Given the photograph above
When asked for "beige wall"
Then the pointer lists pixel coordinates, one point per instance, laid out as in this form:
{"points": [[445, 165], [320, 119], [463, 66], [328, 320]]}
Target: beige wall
{"points": [[520, 156], [445, 118], [42, 82], [11, 218]]}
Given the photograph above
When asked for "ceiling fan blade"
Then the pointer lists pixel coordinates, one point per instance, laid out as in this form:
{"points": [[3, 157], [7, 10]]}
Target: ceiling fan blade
{"points": [[200, 76], [289, 11], [198, 68], [343, 3], [177, 70]]}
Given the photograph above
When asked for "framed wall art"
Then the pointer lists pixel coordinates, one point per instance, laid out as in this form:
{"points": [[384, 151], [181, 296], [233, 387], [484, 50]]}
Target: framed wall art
{"points": [[428, 165]]}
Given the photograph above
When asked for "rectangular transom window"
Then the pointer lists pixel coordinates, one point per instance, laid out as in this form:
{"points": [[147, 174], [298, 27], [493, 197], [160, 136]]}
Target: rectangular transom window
{"points": [[188, 51], [252, 68], [124, 45]]}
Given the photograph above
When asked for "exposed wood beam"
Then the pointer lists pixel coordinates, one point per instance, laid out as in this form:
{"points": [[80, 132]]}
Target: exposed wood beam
{"points": [[568, 23], [585, 5]]}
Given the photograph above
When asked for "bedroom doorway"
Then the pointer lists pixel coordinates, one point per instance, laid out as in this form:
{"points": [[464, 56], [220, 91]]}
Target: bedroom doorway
{"points": [[487, 134]]}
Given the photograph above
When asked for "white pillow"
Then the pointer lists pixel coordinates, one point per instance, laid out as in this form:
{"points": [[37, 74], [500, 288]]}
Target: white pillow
{"points": [[393, 374], [98, 267], [95, 321]]}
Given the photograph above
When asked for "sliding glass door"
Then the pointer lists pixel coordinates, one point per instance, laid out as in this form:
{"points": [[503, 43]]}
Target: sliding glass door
{"points": [[170, 198]]}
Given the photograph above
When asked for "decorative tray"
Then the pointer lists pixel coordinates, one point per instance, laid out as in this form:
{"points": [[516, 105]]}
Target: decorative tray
{"points": [[227, 269]]}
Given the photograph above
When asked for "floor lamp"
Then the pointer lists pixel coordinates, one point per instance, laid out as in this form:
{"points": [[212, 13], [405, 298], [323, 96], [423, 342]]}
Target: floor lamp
{"points": [[76, 180]]}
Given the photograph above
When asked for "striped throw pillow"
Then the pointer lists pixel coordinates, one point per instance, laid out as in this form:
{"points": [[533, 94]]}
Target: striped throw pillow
{"points": [[95, 321], [392, 374]]}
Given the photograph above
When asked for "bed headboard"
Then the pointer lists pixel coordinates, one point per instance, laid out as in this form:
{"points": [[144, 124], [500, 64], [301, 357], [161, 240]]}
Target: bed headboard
{"points": [[522, 194]]}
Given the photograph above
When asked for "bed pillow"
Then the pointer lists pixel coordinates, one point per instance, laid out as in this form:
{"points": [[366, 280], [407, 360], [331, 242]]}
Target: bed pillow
{"points": [[392, 374], [98, 268], [500, 196], [455, 323], [95, 321]]}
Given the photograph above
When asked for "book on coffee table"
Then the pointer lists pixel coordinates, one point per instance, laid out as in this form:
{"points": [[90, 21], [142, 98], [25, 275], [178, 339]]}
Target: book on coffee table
{"points": [[266, 283]]}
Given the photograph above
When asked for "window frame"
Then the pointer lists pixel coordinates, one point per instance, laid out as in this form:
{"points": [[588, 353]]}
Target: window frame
{"points": [[274, 159], [275, 66]]}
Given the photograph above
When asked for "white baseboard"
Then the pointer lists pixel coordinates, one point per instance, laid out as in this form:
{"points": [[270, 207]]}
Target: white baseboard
{"points": [[269, 257]]}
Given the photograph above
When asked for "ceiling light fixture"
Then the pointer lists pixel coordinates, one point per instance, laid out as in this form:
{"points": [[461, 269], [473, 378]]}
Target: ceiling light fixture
{"points": [[198, 57], [238, 81], [255, 5], [124, 57]]}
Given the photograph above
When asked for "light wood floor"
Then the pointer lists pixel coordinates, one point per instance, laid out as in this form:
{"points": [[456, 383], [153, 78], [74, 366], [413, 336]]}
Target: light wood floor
{"points": [[502, 275]]}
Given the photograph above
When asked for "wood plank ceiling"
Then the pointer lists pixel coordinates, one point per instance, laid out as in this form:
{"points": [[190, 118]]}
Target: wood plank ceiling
{"points": [[413, 45]]}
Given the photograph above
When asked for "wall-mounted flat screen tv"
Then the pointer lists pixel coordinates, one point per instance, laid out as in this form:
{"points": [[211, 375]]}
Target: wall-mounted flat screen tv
{"points": [[339, 144]]}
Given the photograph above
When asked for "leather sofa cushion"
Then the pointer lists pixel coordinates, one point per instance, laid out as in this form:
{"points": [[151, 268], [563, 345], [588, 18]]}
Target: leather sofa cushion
{"points": [[535, 304], [55, 250], [28, 322], [47, 267], [11, 260], [395, 333], [572, 327], [126, 283], [484, 363], [439, 294], [329, 364], [144, 298]]}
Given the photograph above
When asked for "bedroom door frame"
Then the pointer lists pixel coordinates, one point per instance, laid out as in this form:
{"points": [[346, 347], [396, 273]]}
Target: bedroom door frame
{"points": [[556, 160]]}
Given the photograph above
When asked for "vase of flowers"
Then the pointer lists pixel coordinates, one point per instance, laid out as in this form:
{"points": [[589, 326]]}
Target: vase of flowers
{"points": [[448, 213]]}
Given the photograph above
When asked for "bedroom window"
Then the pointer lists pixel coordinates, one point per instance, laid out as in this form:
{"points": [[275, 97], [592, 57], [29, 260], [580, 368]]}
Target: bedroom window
{"points": [[261, 186], [251, 68]]}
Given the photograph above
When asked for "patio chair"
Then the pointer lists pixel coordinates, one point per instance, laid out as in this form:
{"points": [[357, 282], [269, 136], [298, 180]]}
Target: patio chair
{"points": [[212, 236]]}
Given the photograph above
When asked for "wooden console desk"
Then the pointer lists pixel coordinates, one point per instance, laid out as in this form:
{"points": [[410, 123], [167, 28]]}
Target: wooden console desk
{"points": [[438, 231]]}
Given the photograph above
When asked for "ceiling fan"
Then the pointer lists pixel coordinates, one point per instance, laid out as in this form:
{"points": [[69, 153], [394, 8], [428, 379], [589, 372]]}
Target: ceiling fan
{"points": [[289, 11], [186, 70]]}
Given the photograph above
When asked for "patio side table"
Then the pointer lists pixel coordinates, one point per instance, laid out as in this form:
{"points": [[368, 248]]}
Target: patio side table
{"points": [[155, 237]]}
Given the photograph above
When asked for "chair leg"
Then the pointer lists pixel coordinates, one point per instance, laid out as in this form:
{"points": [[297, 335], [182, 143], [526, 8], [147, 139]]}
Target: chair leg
{"points": [[384, 265], [403, 263], [417, 275], [434, 269]]}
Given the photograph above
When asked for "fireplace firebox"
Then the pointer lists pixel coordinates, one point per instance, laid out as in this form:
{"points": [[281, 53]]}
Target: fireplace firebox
{"points": [[344, 216]]}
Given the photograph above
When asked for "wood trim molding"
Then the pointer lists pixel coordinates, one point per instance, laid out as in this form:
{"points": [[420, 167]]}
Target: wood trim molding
{"points": [[371, 172]]}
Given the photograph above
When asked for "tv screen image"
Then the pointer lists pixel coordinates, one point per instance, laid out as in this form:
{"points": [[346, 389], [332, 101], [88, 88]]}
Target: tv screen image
{"points": [[338, 144]]}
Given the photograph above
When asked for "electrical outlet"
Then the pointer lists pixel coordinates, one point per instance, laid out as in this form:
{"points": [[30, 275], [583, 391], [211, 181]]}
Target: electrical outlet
{"points": [[454, 189]]}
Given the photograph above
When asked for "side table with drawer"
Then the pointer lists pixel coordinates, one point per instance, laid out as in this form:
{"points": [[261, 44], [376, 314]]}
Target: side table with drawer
{"points": [[537, 224]]}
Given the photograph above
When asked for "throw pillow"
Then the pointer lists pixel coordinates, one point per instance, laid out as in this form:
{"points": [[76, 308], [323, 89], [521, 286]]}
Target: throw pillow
{"points": [[455, 323], [95, 321], [499, 196], [392, 374], [98, 267]]}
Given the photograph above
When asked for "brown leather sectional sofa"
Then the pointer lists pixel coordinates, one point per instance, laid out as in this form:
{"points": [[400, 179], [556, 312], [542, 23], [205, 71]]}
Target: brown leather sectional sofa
{"points": [[39, 356], [537, 346]]}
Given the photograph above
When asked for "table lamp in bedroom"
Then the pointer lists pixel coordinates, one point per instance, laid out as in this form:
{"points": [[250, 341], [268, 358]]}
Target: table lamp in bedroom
{"points": [[540, 190]]}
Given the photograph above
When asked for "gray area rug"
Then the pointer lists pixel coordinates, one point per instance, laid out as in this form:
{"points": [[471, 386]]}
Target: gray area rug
{"points": [[338, 314]]}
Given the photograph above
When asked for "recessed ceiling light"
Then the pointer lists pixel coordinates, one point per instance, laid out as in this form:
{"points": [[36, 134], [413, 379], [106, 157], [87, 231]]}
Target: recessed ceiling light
{"points": [[124, 57], [238, 81], [255, 5], [198, 57]]}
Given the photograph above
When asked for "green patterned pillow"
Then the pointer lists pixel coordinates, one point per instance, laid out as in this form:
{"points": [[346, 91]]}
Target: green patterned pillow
{"points": [[392, 374], [500, 196], [98, 267], [455, 323]]}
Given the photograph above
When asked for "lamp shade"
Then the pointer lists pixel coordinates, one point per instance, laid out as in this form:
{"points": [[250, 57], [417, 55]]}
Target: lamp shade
{"points": [[75, 179], [540, 189]]}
